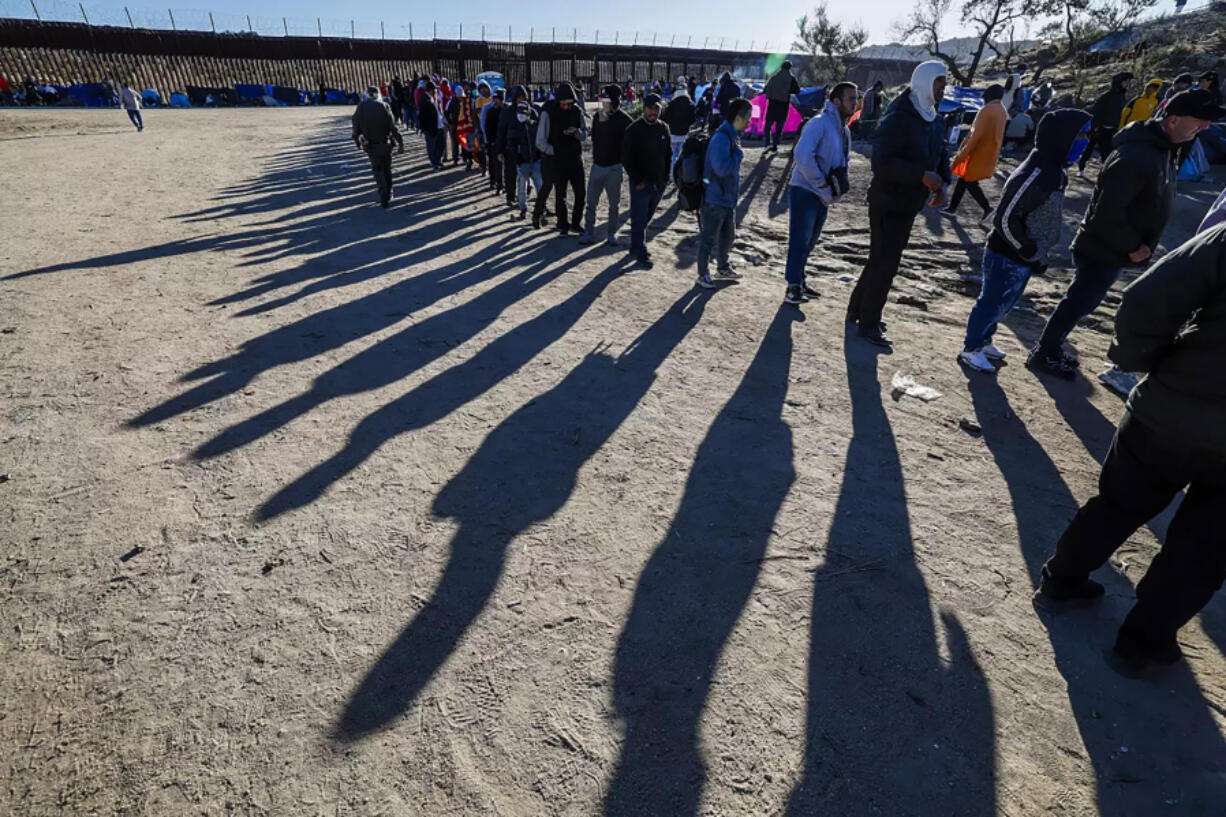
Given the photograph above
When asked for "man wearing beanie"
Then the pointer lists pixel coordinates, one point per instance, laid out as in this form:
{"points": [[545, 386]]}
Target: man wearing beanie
{"points": [[559, 137], [608, 133], [645, 155]]}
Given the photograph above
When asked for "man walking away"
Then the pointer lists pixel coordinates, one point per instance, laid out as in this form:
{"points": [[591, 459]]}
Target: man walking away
{"points": [[722, 185], [491, 114], [779, 91], [396, 97], [910, 168], [1027, 224], [870, 110], [679, 116], [1171, 325], [520, 152], [433, 127], [130, 100], [559, 137], [374, 129], [818, 181], [608, 136], [645, 155], [1107, 110], [976, 159], [1131, 204]]}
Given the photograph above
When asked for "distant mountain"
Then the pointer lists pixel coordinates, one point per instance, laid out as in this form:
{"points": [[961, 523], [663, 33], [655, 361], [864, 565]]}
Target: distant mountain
{"points": [[961, 48]]}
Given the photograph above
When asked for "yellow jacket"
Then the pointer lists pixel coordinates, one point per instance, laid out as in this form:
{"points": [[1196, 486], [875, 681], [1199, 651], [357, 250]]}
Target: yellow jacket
{"points": [[981, 150], [1143, 107]]}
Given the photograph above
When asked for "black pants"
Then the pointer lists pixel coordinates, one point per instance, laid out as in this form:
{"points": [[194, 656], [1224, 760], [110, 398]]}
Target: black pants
{"points": [[381, 166], [976, 192], [556, 175], [1099, 138], [496, 174], [1143, 472], [510, 175], [889, 233], [776, 118]]}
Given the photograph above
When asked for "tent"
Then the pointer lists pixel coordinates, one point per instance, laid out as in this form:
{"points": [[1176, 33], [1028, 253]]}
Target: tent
{"points": [[1196, 165], [150, 98], [286, 96], [1113, 43], [199, 95], [89, 94], [333, 97], [179, 101], [249, 94], [757, 120], [968, 99], [812, 97]]}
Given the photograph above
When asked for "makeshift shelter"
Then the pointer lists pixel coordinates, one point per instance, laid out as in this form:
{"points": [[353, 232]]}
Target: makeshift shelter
{"points": [[1196, 165], [199, 95], [1113, 43], [334, 97], [757, 119], [968, 99], [249, 94], [89, 94], [179, 101], [286, 96], [151, 98]]}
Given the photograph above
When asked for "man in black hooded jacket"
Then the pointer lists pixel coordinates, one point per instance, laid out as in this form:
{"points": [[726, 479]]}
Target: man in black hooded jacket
{"points": [[728, 91], [1107, 110], [1171, 325], [559, 138]]}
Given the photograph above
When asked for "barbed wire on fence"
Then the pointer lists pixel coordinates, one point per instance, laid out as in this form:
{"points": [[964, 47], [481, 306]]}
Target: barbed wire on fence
{"points": [[68, 11]]}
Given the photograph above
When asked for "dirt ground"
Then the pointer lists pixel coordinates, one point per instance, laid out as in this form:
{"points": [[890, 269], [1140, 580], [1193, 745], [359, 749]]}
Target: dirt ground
{"points": [[317, 509]]}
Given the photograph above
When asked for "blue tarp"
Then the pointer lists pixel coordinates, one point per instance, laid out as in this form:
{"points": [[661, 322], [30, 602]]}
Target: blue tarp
{"points": [[179, 101], [1114, 42], [150, 98], [286, 96], [1196, 165], [89, 94], [251, 93], [333, 96], [812, 97], [968, 99]]}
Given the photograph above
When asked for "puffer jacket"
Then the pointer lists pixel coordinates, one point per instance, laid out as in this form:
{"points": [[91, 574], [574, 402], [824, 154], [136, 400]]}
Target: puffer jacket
{"points": [[1133, 198], [1142, 107], [907, 146]]}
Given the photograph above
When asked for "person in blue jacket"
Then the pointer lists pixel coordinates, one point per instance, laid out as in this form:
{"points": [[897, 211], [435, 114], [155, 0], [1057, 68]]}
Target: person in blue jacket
{"points": [[910, 168], [721, 176]]}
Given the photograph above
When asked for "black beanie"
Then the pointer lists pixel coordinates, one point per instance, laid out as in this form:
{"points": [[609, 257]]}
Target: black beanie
{"points": [[994, 91], [612, 92], [565, 91]]}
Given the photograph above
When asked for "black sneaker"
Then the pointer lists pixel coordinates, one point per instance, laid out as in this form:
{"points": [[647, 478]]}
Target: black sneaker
{"points": [[1139, 663], [1057, 365], [1059, 595], [854, 320], [810, 292], [536, 221], [876, 336], [795, 295]]}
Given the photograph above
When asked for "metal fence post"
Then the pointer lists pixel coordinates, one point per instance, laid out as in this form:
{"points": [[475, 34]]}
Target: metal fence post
{"points": [[319, 26], [133, 25], [285, 26], [410, 31], [436, 29], [653, 39], [461, 31], [352, 30], [382, 31], [721, 43], [483, 32], [704, 42], [576, 35], [37, 16], [636, 38], [250, 27], [212, 24], [83, 17], [554, 36], [688, 39], [171, 13]]}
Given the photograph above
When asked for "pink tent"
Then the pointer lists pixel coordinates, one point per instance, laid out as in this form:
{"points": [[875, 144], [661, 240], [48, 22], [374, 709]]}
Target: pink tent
{"points": [[757, 122]]}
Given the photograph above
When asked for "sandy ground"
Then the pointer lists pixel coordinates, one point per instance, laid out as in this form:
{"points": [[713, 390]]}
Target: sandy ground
{"points": [[313, 508]]}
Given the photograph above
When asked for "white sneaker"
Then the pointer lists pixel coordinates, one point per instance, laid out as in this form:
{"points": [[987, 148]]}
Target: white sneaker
{"points": [[1081, 174], [705, 282], [975, 359], [992, 353]]}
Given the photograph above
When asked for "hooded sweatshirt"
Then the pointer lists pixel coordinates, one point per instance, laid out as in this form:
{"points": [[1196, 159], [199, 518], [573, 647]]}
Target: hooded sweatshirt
{"points": [[1027, 221], [922, 78], [728, 91], [823, 147], [908, 145], [781, 86], [1143, 106], [678, 114], [1110, 106], [550, 137], [981, 150], [1133, 198]]}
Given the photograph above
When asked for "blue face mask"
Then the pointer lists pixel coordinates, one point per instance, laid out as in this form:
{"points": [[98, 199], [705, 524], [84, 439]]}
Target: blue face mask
{"points": [[1079, 146]]}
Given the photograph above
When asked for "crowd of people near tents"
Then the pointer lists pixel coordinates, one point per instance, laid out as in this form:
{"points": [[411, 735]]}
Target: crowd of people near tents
{"points": [[1170, 327]]}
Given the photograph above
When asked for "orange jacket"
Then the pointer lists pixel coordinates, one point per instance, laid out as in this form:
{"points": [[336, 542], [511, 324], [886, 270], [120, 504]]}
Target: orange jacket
{"points": [[976, 159]]}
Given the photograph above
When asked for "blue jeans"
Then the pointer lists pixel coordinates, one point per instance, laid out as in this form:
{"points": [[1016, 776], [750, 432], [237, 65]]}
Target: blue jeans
{"points": [[806, 217], [525, 172], [1004, 281], [436, 144], [643, 204], [1091, 282], [136, 119]]}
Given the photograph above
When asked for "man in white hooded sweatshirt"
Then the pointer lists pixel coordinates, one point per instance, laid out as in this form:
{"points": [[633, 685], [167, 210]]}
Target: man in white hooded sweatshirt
{"points": [[910, 169]]}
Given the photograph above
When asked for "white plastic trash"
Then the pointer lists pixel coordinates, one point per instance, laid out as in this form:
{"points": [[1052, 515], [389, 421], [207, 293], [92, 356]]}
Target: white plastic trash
{"points": [[905, 384]]}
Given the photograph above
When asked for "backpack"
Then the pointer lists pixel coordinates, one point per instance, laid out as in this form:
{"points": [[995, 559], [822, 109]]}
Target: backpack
{"points": [[687, 172]]}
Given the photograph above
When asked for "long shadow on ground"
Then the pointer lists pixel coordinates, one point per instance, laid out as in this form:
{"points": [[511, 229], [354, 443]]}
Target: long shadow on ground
{"points": [[524, 472], [1155, 748], [893, 727]]}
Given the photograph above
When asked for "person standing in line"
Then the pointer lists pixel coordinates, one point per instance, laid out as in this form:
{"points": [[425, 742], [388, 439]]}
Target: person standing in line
{"points": [[483, 98], [451, 112], [1182, 83], [521, 152], [1128, 211], [510, 167], [433, 126], [374, 129], [976, 159], [608, 136], [721, 177], [1107, 110], [1171, 325], [130, 100], [491, 115], [561, 129], [910, 168], [819, 180], [870, 110], [1142, 107], [780, 89], [646, 150], [396, 97], [679, 116], [728, 91], [1026, 226], [1209, 82]]}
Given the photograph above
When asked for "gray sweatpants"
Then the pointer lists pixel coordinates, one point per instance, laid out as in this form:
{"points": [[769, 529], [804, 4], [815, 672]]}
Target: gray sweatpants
{"points": [[609, 181]]}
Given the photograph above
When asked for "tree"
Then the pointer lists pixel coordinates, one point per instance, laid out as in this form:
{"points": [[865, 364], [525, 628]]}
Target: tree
{"points": [[830, 46], [987, 18], [1082, 21]]}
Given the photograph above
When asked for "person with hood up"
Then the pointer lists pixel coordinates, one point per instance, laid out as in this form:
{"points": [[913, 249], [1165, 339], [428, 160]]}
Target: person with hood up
{"points": [[910, 169], [374, 129], [510, 167], [1182, 83], [608, 132], [520, 152], [451, 111], [779, 91], [728, 91], [679, 116], [561, 129], [870, 109], [645, 153], [1128, 212], [976, 159], [1107, 110], [1171, 326], [1209, 82], [1025, 228], [395, 93], [490, 116], [432, 123], [819, 179], [130, 100], [721, 178], [1142, 107]]}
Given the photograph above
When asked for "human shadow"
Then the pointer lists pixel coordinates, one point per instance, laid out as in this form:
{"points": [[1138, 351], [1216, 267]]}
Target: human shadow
{"points": [[895, 724], [524, 472], [750, 185], [1151, 746], [779, 202], [696, 583]]}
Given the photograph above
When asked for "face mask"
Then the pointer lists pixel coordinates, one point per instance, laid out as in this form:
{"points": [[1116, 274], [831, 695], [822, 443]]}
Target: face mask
{"points": [[522, 117]]}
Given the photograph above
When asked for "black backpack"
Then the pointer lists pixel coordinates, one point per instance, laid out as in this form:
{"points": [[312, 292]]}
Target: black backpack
{"points": [[687, 172]]}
